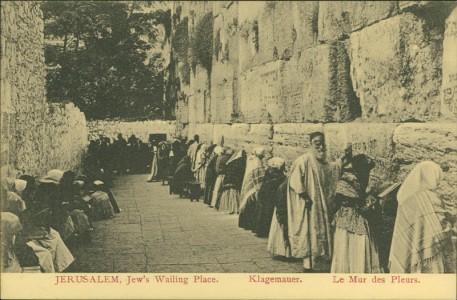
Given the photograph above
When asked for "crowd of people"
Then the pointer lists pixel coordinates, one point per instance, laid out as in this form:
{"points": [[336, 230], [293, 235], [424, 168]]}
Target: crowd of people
{"points": [[320, 213], [44, 217]]}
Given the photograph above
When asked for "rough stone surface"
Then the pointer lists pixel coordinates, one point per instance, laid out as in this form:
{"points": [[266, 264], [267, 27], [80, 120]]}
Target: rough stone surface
{"points": [[35, 136], [372, 139], [449, 85], [141, 129], [338, 19], [395, 69], [437, 142], [260, 90], [205, 132], [317, 88]]}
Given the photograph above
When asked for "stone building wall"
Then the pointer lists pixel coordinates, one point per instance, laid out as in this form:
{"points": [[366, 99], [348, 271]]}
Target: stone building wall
{"points": [[35, 136], [378, 74], [141, 129]]}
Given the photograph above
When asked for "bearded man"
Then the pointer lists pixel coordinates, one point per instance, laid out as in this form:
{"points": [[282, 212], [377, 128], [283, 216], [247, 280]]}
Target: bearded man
{"points": [[311, 188]]}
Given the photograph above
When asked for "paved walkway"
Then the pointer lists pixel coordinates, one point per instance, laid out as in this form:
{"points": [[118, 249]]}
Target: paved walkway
{"points": [[158, 232]]}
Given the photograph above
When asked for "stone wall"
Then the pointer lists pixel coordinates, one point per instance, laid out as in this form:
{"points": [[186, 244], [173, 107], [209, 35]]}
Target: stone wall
{"points": [[380, 75], [35, 136], [141, 129]]}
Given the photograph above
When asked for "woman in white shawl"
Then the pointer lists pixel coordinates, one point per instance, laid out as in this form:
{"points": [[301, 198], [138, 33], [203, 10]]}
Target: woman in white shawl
{"points": [[422, 239]]}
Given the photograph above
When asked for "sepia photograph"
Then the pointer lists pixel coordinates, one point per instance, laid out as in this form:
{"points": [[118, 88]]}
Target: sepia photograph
{"points": [[150, 148]]}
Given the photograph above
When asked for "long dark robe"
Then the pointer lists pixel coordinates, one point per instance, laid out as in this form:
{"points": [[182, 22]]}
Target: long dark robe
{"points": [[210, 179], [234, 173], [281, 207], [163, 162], [266, 198], [183, 175]]}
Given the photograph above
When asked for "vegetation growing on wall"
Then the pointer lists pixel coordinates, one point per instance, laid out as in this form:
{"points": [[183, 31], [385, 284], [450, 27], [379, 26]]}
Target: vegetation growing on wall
{"points": [[202, 43], [180, 41], [98, 55]]}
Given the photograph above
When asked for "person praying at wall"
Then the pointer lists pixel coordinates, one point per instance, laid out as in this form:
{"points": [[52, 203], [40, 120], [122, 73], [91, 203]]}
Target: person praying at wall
{"points": [[200, 165], [312, 185], [154, 163], [233, 179], [163, 157], [224, 154], [278, 237], [266, 196], [210, 173], [252, 181], [192, 150], [355, 250], [422, 238]]}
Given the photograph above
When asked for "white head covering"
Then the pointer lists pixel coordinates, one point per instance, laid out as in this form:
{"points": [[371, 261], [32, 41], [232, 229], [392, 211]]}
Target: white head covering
{"points": [[425, 176], [20, 185], [53, 176], [218, 150], [98, 182], [276, 162], [259, 151]]}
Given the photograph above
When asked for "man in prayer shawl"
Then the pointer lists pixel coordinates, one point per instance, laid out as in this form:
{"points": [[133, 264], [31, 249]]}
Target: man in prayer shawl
{"points": [[312, 185], [154, 162], [252, 181], [266, 196], [192, 151], [422, 239]]}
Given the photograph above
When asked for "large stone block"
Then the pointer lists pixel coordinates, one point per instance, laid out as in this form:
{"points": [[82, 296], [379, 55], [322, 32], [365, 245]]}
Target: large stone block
{"points": [[337, 19], [292, 140], [219, 133], [249, 136], [205, 132], [260, 100], [305, 24], [317, 87], [395, 70], [437, 142], [449, 84], [372, 139]]}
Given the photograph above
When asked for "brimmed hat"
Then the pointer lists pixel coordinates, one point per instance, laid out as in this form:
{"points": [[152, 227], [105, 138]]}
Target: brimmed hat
{"points": [[53, 176]]}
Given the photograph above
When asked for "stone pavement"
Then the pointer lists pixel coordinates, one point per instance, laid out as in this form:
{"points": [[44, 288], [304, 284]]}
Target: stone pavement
{"points": [[158, 232]]}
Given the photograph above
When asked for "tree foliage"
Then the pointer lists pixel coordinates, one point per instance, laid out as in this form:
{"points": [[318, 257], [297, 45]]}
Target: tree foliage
{"points": [[99, 55]]}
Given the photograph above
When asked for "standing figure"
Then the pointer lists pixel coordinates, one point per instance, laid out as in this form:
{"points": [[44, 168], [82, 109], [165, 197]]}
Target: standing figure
{"points": [[422, 239], [312, 185], [192, 150], [163, 161], [278, 238], [355, 250], [154, 163], [266, 196], [223, 156], [233, 179], [211, 174], [199, 168], [253, 178]]}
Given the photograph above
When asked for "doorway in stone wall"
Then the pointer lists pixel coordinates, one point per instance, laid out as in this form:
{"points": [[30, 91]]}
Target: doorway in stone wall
{"points": [[158, 137]]}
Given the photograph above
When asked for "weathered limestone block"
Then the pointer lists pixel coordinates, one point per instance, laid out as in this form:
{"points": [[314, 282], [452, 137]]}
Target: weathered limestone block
{"points": [[317, 87], [449, 84], [337, 19], [395, 70], [200, 95], [204, 131], [372, 139], [249, 137], [222, 93], [305, 24], [182, 111], [219, 133], [437, 142], [292, 140], [260, 94], [248, 16]]}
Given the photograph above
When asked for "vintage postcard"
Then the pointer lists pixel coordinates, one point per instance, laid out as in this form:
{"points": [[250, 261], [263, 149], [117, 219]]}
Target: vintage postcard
{"points": [[228, 149]]}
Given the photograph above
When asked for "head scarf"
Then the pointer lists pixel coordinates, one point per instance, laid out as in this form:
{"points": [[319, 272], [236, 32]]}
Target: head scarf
{"points": [[418, 237], [20, 185], [259, 151], [218, 150], [276, 162], [53, 176], [425, 176]]}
